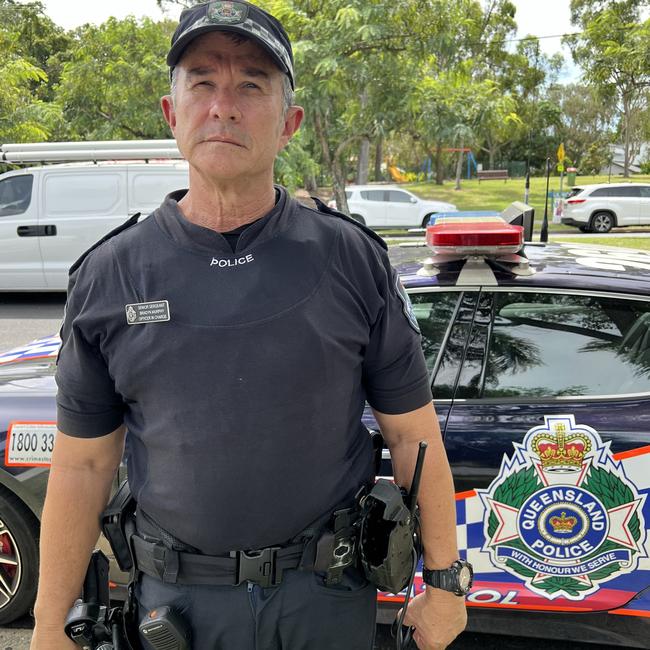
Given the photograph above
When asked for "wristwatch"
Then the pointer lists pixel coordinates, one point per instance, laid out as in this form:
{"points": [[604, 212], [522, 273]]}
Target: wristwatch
{"points": [[457, 578]]}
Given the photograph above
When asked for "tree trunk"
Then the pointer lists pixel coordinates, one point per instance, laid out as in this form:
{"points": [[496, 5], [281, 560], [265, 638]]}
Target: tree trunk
{"points": [[459, 168], [338, 178], [379, 154], [627, 130], [439, 171], [311, 185], [363, 162]]}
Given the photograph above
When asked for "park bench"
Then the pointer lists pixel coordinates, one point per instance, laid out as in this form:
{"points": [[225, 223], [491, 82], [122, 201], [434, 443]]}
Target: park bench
{"points": [[492, 175]]}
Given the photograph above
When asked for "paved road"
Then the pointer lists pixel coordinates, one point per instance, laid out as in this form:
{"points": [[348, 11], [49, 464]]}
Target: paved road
{"points": [[28, 316]]}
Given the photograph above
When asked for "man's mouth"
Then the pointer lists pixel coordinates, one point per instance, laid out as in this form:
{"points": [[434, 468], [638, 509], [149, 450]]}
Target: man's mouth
{"points": [[223, 140]]}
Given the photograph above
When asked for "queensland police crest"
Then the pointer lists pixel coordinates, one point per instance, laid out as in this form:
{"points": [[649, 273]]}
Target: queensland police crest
{"points": [[562, 515]]}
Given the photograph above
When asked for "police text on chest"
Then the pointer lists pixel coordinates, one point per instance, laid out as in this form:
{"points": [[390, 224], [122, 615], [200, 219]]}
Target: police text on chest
{"points": [[237, 261]]}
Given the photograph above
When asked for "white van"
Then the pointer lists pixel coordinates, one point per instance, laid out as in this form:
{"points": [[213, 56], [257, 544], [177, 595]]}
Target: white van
{"points": [[50, 215]]}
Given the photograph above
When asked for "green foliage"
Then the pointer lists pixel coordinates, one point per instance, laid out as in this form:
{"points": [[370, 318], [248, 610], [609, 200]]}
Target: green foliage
{"points": [[114, 77], [295, 165]]}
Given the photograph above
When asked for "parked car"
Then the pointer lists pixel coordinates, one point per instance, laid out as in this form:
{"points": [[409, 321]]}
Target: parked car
{"points": [[384, 206], [540, 371], [599, 208], [50, 215]]}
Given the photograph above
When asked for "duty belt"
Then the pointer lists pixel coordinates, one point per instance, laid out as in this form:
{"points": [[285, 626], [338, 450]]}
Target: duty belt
{"points": [[263, 567]]}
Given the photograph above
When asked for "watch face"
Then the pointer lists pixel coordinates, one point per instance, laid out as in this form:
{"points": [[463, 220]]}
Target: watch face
{"points": [[465, 578]]}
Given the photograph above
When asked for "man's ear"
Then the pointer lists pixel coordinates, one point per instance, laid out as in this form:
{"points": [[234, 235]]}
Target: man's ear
{"points": [[169, 113], [292, 121]]}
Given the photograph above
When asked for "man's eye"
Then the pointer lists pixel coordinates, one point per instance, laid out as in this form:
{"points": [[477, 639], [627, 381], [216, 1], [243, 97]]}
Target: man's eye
{"points": [[250, 84]]}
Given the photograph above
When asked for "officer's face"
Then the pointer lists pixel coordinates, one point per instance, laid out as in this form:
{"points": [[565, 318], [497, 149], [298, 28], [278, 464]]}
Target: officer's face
{"points": [[227, 113]]}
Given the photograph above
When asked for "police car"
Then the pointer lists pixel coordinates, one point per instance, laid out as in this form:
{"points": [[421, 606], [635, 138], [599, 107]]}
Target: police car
{"points": [[540, 368]]}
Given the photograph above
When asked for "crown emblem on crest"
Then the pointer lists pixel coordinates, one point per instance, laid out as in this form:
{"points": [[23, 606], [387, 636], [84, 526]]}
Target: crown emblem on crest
{"points": [[563, 524], [131, 314], [560, 452]]}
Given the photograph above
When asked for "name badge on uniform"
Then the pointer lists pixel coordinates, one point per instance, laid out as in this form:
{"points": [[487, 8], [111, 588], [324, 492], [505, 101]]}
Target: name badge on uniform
{"points": [[140, 313]]}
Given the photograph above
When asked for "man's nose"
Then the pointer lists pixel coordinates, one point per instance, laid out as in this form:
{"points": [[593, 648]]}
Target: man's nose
{"points": [[224, 105]]}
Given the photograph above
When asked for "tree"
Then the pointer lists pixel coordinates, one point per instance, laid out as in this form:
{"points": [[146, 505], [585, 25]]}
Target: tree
{"points": [[614, 50], [112, 82], [587, 123], [24, 115]]}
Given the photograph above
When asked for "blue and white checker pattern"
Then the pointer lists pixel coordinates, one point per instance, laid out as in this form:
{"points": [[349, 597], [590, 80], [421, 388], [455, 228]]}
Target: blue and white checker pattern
{"points": [[470, 514], [45, 347]]}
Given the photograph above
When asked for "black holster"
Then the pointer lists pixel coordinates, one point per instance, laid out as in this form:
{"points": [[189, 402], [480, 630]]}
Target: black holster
{"points": [[118, 525]]}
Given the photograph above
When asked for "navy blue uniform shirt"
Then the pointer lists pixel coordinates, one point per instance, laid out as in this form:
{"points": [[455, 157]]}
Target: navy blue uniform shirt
{"points": [[243, 392]]}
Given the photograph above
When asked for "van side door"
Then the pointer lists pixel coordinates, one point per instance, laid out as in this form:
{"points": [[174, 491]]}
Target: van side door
{"points": [[148, 186], [21, 265], [79, 206]]}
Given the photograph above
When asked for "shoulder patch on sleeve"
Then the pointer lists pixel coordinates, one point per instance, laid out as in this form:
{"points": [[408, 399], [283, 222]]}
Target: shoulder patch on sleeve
{"points": [[116, 231], [321, 207], [407, 305]]}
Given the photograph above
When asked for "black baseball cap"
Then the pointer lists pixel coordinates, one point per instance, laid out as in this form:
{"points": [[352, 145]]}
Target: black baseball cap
{"points": [[233, 16]]}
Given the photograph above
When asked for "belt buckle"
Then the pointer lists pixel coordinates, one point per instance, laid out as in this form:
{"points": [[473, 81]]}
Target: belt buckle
{"points": [[258, 567]]}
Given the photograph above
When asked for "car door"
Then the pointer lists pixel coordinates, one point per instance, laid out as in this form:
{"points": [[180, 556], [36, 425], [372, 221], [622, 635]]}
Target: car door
{"points": [[21, 265], [148, 186], [626, 203], [644, 205], [79, 206], [547, 437], [401, 209], [374, 204]]}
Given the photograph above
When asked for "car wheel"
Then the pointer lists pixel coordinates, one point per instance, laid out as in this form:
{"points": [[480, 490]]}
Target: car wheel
{"points": [[18, 558], [425, 221], [359, 218], [602, 222], [584, 229]]}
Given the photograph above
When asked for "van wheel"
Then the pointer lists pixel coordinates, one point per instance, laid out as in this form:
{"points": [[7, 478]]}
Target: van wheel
{"points": [[18, 558], [425, 221], [602, 222], [359, 218]]}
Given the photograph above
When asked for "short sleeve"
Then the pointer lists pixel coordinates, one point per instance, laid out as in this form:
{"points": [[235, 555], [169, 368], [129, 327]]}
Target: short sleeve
{"points": [[394, 371], [88, 405]]}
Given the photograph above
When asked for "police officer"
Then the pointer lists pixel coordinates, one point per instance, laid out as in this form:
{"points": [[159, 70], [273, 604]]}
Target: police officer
{"points": [[236, 334]]}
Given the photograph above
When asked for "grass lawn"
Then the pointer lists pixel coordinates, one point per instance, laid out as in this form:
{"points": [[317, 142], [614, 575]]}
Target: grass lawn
{"points": [[641, 243], [496, 195]]}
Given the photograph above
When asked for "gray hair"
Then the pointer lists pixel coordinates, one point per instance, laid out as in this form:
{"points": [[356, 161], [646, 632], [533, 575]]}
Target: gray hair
{"points": [[288, 95]]}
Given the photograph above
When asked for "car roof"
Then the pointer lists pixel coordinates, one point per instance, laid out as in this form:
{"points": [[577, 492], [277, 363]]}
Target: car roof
{"points": [[110, 164], [376, 186], [555, 265], [596, 186]]}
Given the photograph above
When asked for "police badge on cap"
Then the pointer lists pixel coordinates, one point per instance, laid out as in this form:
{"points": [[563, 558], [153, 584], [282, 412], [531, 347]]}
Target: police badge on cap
{"points": [[234, 16]]}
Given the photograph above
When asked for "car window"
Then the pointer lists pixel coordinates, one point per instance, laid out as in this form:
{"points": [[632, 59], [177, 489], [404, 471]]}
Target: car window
{"points": [[574, 192], [627, 191], [434, 312], [545, 345], [348, 194], [15, 194], [602, 191], [373, 195], [645, 191], [395, 196]]}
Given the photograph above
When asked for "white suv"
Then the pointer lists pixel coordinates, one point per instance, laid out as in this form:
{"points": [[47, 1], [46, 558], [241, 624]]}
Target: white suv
{"points": [[599, 208], [385, 205]]}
